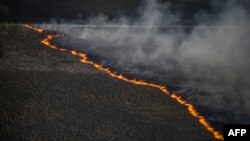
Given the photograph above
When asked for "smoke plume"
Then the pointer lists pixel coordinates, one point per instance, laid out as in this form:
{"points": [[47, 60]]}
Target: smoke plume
{"points": [[207, 62]]}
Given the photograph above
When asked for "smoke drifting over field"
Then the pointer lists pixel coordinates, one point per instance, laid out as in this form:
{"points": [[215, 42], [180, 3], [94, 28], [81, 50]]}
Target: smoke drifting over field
{"points": [[209, 62]]}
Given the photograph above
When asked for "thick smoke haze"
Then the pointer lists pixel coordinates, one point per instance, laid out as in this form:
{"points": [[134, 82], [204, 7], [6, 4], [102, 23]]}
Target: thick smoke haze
{"points": [[208, 62]]}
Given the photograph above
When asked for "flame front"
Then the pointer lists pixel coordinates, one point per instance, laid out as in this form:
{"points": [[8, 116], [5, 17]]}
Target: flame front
{"points": [[37, 29], [84, 59], [194, 113]]}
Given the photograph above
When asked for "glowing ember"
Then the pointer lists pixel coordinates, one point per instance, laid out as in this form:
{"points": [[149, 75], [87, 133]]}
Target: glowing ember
{"points": [[84, 59]]}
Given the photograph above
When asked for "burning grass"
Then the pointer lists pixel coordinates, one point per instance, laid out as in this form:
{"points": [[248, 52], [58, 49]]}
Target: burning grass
{"points": [[85, 60], [42, 99]]}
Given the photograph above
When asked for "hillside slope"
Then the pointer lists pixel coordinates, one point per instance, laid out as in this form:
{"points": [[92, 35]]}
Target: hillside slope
{"points": [[50, 95]]}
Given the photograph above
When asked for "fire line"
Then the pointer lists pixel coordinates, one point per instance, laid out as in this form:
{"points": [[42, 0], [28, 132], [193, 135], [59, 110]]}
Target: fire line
{"points": [[84, 59]]}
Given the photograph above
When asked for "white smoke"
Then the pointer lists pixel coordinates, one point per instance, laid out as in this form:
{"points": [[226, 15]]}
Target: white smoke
{"points": [[212, 59]]}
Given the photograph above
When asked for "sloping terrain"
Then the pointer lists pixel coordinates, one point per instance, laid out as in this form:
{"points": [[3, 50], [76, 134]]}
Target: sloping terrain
{"points": [[50, 95]]}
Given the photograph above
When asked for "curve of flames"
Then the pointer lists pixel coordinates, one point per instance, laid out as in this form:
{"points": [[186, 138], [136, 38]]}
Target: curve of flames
{"points": [[84, 59]]}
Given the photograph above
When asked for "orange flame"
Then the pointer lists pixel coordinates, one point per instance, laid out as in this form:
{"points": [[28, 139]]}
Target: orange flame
{"points": [[202, 119], [85, 60], [37, 29]]}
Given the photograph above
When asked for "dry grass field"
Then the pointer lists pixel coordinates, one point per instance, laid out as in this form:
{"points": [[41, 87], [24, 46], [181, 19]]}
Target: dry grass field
{"points": [[50, 95]]}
